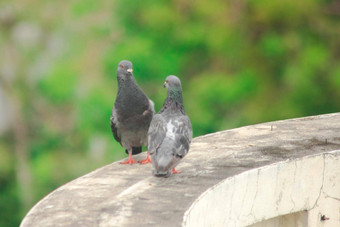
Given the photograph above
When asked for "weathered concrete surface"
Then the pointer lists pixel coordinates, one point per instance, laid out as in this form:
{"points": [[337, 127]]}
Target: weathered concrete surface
{"points": [[310, 183], [120, 195]]}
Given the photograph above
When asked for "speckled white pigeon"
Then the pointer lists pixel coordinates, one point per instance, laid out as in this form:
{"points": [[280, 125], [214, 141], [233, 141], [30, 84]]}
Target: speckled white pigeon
{"points": [[170, 131]]}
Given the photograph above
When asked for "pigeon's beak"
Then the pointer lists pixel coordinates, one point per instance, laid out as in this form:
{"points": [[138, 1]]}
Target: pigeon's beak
{"points": [[129, 70], [165, 84]]}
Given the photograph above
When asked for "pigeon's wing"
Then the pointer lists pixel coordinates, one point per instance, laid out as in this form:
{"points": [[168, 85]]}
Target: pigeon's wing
{"points": [[157, 132], [114, 127], [152, 106], [183, 136]]}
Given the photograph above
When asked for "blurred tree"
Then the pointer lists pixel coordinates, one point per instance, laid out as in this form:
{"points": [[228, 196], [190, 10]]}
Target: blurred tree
{"points": [[265, 60]]}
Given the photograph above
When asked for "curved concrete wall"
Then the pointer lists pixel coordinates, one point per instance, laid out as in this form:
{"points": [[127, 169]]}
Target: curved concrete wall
{"points": [[310, 183], [231, 178]]}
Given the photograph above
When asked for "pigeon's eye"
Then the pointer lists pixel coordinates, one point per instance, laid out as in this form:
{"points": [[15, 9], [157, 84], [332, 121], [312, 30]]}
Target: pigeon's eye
{"points": [[122, 66], [166, 81]]}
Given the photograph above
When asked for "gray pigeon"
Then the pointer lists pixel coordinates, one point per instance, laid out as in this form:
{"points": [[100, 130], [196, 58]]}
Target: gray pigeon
{"points": [[170, 131], [131, 113]]}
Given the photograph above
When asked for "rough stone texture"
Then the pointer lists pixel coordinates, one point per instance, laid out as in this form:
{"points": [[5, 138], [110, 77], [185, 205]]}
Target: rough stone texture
{"points": [[121, 195], [272, 192]]}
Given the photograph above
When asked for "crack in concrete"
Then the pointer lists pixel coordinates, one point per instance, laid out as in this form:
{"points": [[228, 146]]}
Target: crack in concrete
{"points": [[323, 178], [331, 197], [291, 194], [257, 186], [232, 196], [276, 183], [246, 192]]}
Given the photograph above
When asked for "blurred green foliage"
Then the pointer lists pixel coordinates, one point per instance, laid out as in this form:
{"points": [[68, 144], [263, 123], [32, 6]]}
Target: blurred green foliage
{"points": [[240, 62]]}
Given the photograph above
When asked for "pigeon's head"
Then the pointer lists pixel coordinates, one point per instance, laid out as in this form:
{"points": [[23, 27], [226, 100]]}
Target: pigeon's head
{"points": [[124, 69], [173, 85], [172, 82]]}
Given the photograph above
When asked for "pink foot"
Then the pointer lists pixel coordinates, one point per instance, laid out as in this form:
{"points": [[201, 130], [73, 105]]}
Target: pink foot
{"points": [[147, 160], [173, 171], [129, 161]]}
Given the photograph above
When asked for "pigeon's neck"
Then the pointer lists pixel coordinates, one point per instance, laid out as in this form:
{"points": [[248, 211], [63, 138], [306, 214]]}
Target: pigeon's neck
{"points": [[124, 81], [175, 94], [173, 102], [128, 85], [130, 98]]}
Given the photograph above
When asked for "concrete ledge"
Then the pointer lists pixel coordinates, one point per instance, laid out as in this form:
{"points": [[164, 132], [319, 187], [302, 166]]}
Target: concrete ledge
{"points": [[311, 184], [117, 195]]}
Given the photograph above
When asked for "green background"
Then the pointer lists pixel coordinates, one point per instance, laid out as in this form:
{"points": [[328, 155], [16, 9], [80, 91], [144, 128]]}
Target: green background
{"points": [[240, 63]]}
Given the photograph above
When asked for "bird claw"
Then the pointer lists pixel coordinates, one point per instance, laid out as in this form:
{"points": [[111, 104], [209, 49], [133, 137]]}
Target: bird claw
{"points": [[147, 160], [129, 161], [173, 171]]}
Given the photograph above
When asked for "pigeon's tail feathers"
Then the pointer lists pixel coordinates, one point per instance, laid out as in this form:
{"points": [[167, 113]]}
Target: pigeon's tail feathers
{"points": [[161, 174], [135, 150]]}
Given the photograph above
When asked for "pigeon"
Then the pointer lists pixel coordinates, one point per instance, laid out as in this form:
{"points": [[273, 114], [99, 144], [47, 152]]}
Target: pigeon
{"points": [[170, 131], [131, 114]]}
